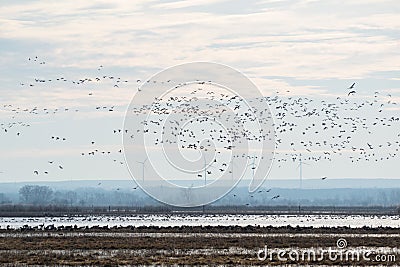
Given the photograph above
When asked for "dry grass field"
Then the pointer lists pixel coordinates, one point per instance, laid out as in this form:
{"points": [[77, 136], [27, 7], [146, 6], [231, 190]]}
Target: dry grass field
{"points": [[188, 245]]}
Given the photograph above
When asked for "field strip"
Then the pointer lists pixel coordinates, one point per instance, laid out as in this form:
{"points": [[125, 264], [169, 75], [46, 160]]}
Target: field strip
{"points": [[183, 235], [186, 251]]}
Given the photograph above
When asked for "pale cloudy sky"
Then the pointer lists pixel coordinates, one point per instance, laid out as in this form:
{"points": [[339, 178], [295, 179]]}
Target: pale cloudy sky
{"points": [[310, 47]]}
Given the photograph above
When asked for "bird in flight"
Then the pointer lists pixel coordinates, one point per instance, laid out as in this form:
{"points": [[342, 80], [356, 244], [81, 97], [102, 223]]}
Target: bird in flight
{"points": [[323, 178], [351, 92], [352, 86]]}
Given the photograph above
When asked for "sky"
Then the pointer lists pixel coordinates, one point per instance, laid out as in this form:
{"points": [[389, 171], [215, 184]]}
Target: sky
{"points": [[303, 48]]}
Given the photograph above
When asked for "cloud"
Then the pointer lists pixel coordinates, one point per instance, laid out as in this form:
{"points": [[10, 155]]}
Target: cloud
{"points": [[185, 3], [323, 45], [305, 47], [149, 36]]}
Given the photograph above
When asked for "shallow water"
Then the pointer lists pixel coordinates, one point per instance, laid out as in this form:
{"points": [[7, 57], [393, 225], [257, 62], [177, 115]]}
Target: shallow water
{"points": [[354, 221]]}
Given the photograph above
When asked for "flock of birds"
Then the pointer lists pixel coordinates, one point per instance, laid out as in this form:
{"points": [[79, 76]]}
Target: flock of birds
{"points": [[305, 129], [317, 129]]}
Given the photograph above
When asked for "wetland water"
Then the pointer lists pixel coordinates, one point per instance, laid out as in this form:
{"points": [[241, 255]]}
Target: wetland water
{"points": [[163, 220]]}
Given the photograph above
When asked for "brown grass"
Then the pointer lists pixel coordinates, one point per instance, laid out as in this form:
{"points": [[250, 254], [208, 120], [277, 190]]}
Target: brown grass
{"points": [[201, 249]]}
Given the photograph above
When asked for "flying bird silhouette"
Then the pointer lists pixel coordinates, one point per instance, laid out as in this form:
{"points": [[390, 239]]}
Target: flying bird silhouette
{"points": [[351, 92], [352, 86]]}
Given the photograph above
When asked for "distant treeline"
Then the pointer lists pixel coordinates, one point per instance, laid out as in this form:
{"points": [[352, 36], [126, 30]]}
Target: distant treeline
{"points": [[42, 195], [85, 197]]}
